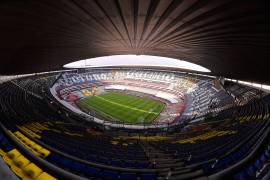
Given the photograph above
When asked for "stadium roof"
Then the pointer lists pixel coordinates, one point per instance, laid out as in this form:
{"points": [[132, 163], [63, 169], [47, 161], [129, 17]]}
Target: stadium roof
{"points": [[136, 61], [230, 37]]}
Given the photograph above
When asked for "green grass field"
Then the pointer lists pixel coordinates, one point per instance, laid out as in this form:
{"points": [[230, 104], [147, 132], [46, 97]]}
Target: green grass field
{"points": [[123, 107]]}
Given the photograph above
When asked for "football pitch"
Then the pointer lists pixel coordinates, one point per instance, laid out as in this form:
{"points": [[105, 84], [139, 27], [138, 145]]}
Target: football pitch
{"points": [[123, 107]]}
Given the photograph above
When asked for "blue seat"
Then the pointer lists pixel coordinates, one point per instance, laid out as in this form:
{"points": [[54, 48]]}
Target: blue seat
{"points": [[1, 136], [142, 164], [66, 162], [128, 176], [92, 158], [102, 160], [243, 175], [78, 167], [148, 177], [258, 164], [207, 168], [267, 154], [131, 164], [106, 174], [116, 163], [60, 161], [252, 170], [264, 158], [6, 145], [53, 158], [93, 172]]}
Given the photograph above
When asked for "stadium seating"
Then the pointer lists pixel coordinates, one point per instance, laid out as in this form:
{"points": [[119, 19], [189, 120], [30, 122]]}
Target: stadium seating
{"points": [[18, 163], [203, 147]]}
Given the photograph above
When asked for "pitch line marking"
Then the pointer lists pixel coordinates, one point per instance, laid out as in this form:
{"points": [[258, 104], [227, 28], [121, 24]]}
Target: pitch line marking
{"points": [[133, 108]]}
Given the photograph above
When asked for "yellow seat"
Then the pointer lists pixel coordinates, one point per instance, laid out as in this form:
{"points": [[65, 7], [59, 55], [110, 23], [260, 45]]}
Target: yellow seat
{"points": [[18, 136], [22, 137], [17, 133], [44, 152], [18, 164], [23, 140], [2, 153], [30, 143], [45, 176], [31, 171], [11, 155], [36, 147], [21, 161]]}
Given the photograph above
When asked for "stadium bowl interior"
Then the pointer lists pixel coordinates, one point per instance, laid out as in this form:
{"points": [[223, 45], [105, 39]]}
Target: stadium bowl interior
{"points": [[96, 89]]}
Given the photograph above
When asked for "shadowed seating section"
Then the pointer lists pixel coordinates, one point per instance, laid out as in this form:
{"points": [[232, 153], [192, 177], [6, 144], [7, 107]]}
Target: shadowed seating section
{"points": [[34, 147]]}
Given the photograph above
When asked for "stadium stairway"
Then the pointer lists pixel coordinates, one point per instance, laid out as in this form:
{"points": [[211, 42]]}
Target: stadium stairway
{"points": [[158, 158], [176, 169]]}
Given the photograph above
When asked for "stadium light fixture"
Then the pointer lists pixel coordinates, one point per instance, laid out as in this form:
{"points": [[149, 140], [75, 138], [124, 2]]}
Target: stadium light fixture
{"points": [[136, 60]]}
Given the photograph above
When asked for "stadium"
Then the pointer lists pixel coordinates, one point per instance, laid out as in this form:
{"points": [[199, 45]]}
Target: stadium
{"points": [[135, 90]]}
